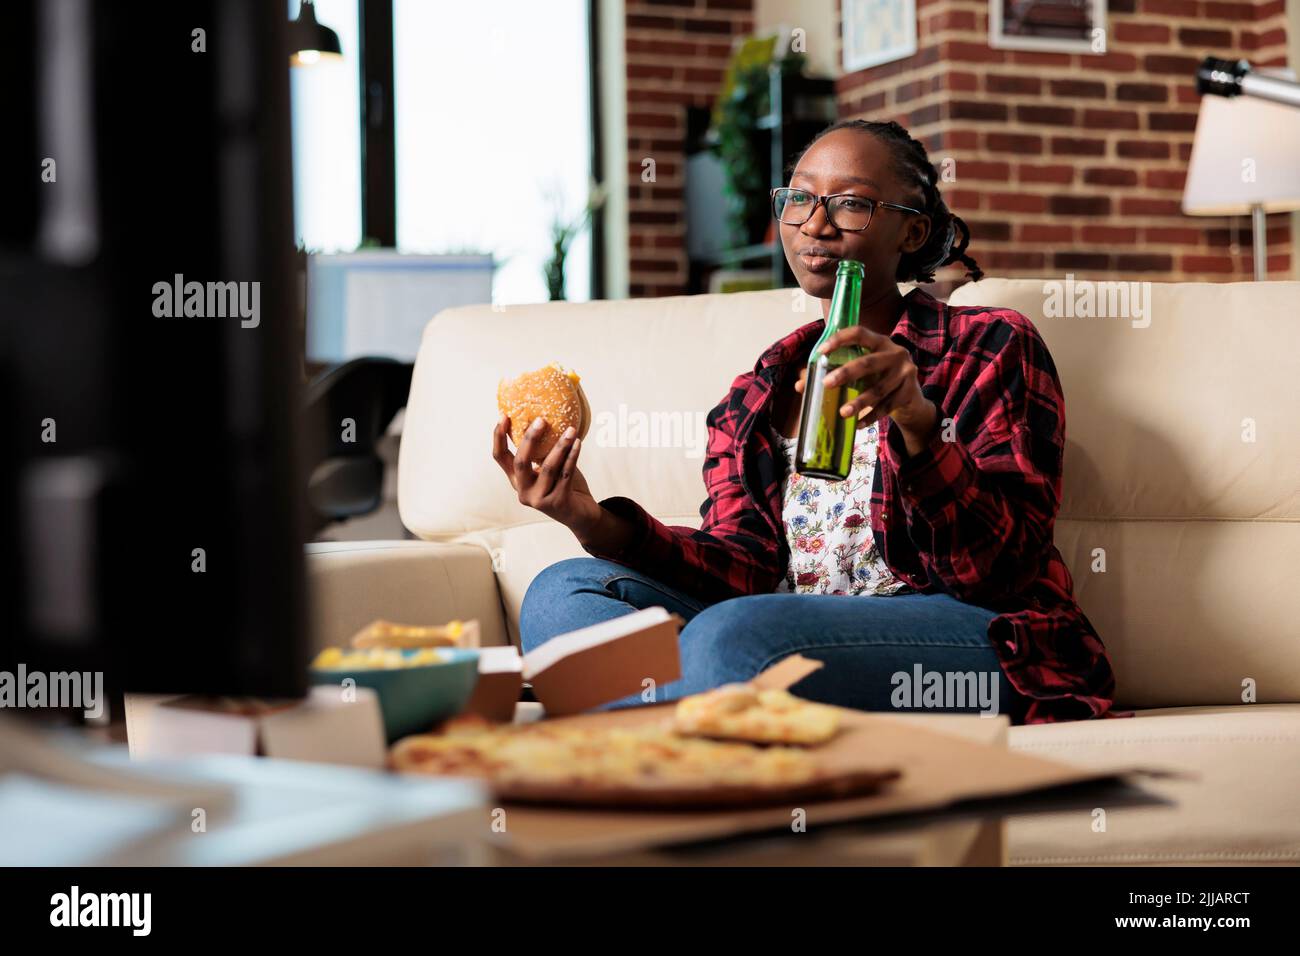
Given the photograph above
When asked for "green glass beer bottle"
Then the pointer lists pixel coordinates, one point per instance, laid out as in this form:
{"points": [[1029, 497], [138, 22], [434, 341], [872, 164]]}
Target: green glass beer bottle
{"points": [[825, 444]]}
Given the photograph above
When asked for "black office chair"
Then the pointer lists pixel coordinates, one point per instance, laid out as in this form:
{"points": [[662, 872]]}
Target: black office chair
{"points": [[347, 409]]}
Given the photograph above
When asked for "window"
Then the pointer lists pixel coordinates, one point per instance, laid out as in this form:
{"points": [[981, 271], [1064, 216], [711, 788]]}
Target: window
{"points": [[493, 131], [326, 109]]}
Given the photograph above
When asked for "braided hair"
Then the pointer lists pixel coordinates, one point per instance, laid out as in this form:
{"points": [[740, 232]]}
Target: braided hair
{"points": [[912, 164]]}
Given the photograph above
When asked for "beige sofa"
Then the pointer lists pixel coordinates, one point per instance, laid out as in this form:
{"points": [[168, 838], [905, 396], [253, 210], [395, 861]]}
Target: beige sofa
{"points": [[1180, 519]]}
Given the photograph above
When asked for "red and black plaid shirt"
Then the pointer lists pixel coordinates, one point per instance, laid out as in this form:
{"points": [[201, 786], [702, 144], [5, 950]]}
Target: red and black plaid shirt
{"points": [[971, 516]]}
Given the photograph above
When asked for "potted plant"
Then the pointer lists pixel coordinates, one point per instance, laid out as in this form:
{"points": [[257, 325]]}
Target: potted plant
{"points": [[740, 137], [564, 229]]}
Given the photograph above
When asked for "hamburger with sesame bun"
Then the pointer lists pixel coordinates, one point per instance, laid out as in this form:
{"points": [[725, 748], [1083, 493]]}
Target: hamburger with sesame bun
{"points": [[552, 393]]}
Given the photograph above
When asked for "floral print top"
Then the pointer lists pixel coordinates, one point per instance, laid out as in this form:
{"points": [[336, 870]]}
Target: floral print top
{"points": [[828, 527]]}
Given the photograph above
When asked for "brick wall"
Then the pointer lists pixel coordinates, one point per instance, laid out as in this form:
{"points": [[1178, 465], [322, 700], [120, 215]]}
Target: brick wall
{"points": [[677, 51], [1071, 162]]}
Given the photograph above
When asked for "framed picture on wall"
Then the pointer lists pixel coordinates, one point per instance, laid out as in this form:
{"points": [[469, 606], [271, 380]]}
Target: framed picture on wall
{"points": [[877, 31], [1053, 26]]}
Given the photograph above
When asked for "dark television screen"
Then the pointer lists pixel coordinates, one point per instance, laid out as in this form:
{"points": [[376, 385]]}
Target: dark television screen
{"points": [[150, 510]]}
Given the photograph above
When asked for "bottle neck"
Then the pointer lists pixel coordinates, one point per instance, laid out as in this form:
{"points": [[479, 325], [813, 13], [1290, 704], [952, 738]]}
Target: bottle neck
{"points": [[845, 304], [879, 314]]}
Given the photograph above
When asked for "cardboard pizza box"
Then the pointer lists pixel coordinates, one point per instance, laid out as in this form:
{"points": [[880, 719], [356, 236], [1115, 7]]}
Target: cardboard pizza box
{"points": [[321, 728], [500, 677], [582, 669], [632, 654], [940, 767]]}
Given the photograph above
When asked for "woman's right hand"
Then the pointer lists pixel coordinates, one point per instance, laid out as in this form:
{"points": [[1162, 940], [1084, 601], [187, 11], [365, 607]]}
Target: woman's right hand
{"points": [[556, 489]]}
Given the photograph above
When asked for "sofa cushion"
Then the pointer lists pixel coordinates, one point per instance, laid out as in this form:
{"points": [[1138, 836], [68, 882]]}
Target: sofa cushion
{"points": [[1191, 611], [651, 369], [1242, 809], [1155, 414], [1197, 519], [520, 551], [351, 583]]}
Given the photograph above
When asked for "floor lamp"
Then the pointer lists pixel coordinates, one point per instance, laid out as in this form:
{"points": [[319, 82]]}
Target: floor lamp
{"points": [[1246, 153]]}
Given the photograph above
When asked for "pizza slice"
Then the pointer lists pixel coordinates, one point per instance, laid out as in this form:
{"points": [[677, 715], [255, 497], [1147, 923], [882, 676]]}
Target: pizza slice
{"points": [[754, 714], [453, 755], [654, 757], [649, 766], [388, 634]]}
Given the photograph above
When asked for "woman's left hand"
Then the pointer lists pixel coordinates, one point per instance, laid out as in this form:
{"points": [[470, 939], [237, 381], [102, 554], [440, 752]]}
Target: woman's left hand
{"points": [[892, 386]]}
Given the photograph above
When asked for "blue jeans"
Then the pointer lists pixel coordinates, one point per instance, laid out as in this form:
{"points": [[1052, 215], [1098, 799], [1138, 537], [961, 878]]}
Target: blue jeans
{"points": [[881, 652]]}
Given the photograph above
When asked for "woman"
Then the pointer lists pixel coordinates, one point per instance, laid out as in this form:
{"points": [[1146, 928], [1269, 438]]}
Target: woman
{"points": [[928, 578]]}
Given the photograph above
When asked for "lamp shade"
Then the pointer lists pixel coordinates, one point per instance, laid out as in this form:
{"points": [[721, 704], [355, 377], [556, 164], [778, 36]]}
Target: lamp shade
{"points": [[1246, 153], [309, 39]]}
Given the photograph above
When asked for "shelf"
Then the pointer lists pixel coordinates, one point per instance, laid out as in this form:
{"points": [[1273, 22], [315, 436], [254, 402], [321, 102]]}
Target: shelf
{"points": [[800, 107]]}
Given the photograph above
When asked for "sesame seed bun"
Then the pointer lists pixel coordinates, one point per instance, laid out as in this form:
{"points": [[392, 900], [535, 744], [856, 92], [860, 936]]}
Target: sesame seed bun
{"points": [[555, 394]]}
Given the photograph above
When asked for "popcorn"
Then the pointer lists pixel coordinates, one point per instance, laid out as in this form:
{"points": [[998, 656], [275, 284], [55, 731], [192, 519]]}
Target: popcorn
{"points": [[375, 658]]}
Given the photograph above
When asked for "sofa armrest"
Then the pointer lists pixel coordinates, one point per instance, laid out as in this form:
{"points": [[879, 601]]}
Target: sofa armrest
{"points": [[350, 583]]}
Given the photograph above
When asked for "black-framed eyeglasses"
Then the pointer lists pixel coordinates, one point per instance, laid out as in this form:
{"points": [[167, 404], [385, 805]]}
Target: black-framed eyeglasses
{"points": [[844, 211]]}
